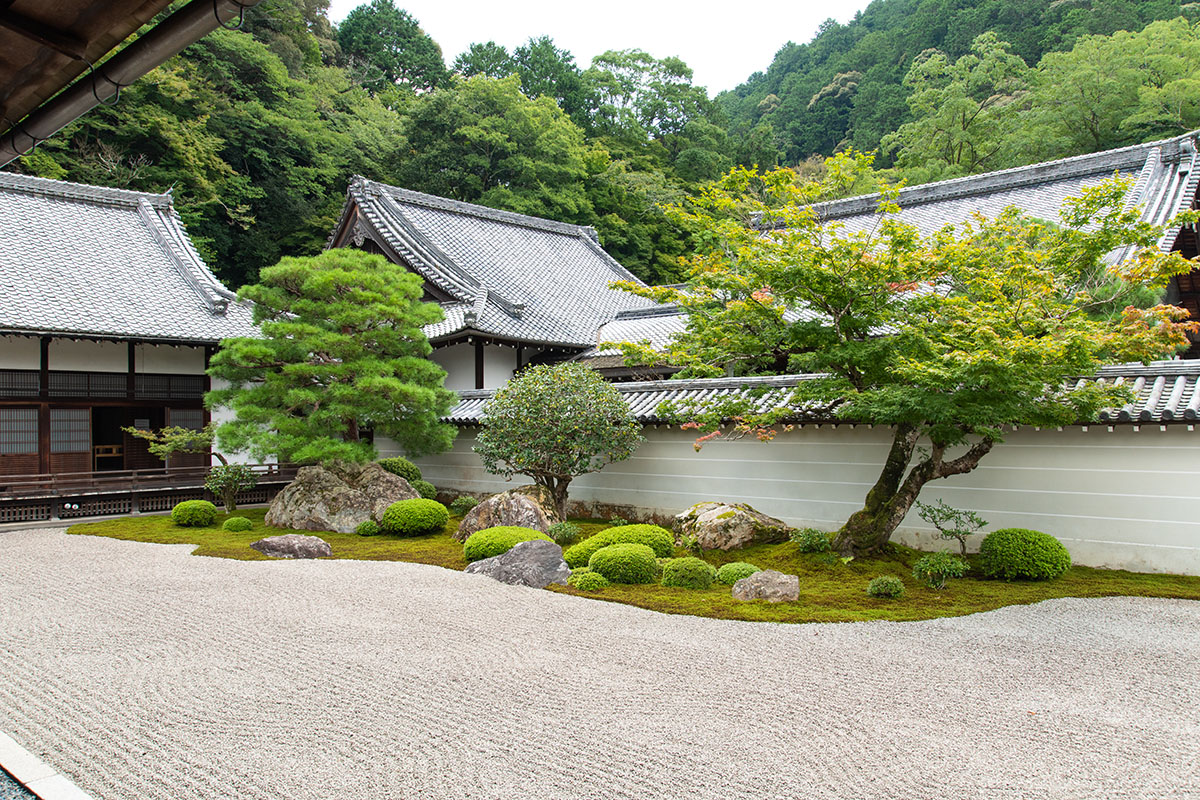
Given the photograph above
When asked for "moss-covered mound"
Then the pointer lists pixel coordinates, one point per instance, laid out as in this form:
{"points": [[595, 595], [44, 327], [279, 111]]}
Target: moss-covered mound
{"points": [[656, 538], [494, 541]]}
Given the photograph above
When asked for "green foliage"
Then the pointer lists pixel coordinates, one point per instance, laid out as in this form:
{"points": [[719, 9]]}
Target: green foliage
{"points": [[563, 532], [617, 522], [368, 527], [391, 46], [586, 580], [885, 586], [624, 563], [657, 539], [934, 569], [951, 523], [1022, 554], [810, 540], [426, 489], [235, 524], [494, 541], [401, 467], [553, 423], [414, 517], [734, 571], [688, 573], [342, 350], [194, 514], [227, 480], [459, 506]]}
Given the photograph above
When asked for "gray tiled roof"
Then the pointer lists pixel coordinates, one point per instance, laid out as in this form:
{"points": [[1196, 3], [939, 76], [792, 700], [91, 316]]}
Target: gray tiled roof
{"points": [[1166, 392], [510, 276], [78, 259]]}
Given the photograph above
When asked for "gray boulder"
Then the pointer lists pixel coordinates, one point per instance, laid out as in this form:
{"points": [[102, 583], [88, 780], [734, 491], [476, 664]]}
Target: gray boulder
{"points": [[337, 498], [537, 564], [769, 585], [725, 526], [529, 506], [293, 545]]}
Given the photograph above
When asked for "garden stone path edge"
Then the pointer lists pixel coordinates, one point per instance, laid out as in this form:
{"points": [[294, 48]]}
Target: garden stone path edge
{"points": [[141, 671]]}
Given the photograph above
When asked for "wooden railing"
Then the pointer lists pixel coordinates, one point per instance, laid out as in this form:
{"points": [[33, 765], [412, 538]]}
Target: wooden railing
{"points": [[26, 486]]}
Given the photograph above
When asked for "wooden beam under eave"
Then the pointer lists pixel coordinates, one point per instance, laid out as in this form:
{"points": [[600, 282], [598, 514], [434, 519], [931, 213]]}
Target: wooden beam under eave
{"points": [[478, 364]]}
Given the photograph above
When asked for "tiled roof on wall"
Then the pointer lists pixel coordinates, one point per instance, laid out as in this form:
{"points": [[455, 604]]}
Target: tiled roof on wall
{"points": [[88, 260]]}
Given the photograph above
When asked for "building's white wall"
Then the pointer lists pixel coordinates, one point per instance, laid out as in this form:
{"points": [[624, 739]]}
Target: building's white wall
{"points": [[499, 364], [160, 359], [83, 356], [1124, 499], [222, 415], [20, 352]]}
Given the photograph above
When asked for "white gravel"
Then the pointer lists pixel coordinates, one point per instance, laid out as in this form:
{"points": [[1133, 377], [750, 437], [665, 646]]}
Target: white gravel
{"points": [[143, 672]]}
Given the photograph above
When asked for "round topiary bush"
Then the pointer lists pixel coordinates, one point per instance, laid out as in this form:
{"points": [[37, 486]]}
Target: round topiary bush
{"points": [[414, 518], [194, 514], [885, 586], [585, 580], [402, 467], [425, 489], [687, 573], [494, 541], [236, 524], [735, 571], [624, 563], [1019, 553], [367, 527], [461, 505], [657, 539]]}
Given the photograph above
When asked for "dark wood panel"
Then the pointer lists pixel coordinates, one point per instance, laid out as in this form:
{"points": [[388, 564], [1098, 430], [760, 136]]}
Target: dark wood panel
{"points": [[70, 462], [20, 465]]}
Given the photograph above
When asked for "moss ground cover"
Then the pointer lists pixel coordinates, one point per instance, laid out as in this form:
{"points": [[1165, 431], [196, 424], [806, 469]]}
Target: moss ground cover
{"points": [[830, 591]]}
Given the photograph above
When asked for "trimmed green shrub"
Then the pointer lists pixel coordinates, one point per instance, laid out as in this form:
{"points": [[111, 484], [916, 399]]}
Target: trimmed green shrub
{"points": [[810, 540], [585, 580], [461, 505], [885, 586], [935, 568], [624, 562], [687, 573], [494, 541], [236, 524], [617, 522], [733, 572], [657, 539], [563, 532], [367, 527], [194, 514], [402, 467], [414, 517], [425, 489], [1019, 553]]}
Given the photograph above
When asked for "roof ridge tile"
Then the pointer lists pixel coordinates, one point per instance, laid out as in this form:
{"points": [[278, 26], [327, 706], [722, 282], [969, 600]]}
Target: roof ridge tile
{"points": [[67, 190]]}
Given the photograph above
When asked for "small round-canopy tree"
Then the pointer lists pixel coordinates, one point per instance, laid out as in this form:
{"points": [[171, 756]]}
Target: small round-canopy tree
{"points": [[553, 423], [343, 351]]}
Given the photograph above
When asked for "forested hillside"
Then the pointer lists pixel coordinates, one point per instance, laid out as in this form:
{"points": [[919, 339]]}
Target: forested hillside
{"points": [[258, 131]]}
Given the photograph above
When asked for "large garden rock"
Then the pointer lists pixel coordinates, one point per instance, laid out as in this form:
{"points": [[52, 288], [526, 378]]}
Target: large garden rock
{"points": [[293, 545], [725, 526], [769, 585], [337, 498], [529, 506], [537, 564]]}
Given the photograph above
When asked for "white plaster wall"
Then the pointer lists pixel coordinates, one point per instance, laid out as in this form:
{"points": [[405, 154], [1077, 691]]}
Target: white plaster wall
{"points": [[160, 359], [66, 354], [223, 415], [20, 352], [499, 364], [1123, 499]]}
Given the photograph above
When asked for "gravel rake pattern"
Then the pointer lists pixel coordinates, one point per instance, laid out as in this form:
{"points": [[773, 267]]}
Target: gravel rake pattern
{"points": [[143, 672]]}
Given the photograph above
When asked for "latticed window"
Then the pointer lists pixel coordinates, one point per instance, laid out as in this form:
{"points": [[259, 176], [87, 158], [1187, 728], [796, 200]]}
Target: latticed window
{"points": [[70, 430], [190, 418], [18, 431]]}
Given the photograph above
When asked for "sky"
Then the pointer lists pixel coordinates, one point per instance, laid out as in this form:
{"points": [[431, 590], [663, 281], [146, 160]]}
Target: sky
{"points": [[723, 43]]}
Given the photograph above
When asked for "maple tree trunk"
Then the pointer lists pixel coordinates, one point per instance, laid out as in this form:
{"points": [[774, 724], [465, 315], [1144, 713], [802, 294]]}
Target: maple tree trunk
{"points": [[870, 528], [558, 488]]}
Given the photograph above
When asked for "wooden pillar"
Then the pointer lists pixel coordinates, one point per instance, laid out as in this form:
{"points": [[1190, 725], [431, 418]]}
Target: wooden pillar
{"points": [[520, 355], [44, 408], [478, 364], [130, 379]]}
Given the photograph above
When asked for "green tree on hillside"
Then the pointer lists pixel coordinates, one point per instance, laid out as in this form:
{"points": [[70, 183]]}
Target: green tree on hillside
{"points": [[390, 41]]}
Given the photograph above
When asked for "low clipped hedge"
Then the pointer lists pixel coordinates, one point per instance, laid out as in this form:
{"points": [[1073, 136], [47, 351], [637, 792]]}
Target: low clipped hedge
{"points": [[688, 573], [425, 489], [625, 562], [657, 539], [236, 524], [194, 514], [416, 517], [733, 572], [494, 541], [586, 580], [402, 467], [1022, 554]]}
